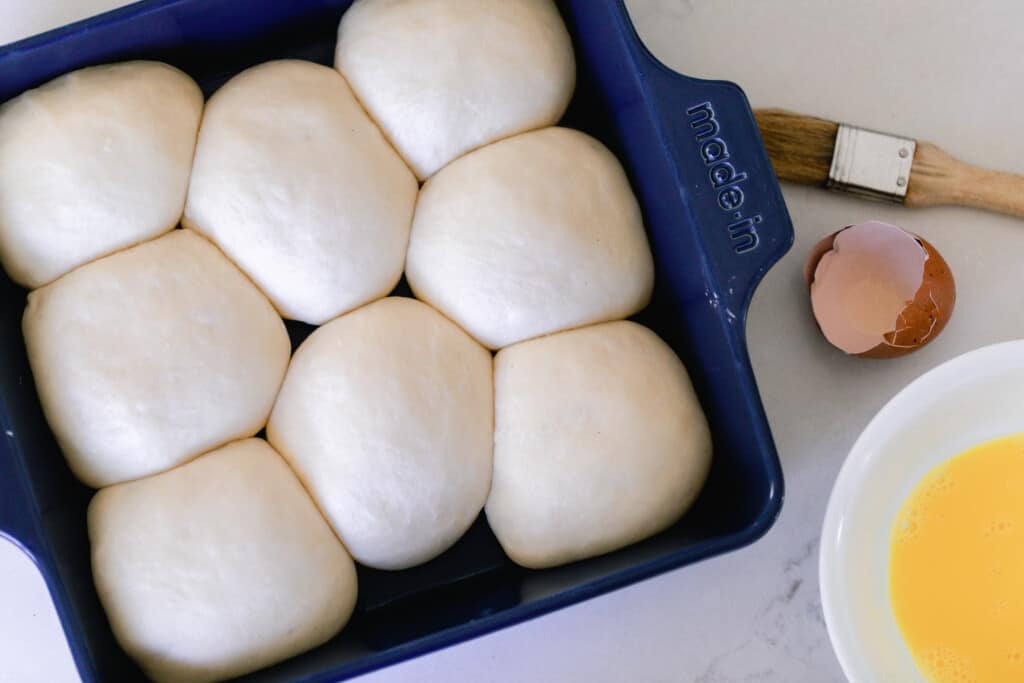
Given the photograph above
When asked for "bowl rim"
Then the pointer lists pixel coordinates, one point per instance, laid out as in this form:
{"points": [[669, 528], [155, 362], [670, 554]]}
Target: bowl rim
{"points": [[845, 488]]}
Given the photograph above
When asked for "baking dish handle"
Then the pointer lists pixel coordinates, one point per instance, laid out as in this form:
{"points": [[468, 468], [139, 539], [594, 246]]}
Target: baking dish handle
{"points": [[16, 504], [724, 177]]}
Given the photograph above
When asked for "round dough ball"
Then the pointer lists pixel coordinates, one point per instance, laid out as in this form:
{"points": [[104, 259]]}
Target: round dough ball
{"points": [[218, 567], [151, 356], [387, 416], [92, 162], [599, 442], [300, 189], [443, 77], [528, 236]]}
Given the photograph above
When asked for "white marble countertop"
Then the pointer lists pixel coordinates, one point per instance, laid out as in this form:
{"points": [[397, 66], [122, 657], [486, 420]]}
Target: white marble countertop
{"points": [[932, 69]]}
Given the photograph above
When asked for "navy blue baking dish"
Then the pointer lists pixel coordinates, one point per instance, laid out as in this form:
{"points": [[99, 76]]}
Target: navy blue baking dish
{"points": [[716, 222]]}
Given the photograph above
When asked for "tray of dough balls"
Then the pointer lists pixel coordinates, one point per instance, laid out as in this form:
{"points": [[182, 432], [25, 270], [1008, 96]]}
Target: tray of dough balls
{"points": [[337, 334]]}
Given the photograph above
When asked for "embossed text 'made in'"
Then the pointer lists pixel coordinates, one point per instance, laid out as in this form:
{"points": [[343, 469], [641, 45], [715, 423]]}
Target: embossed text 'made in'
{"points": [[726, 181]]}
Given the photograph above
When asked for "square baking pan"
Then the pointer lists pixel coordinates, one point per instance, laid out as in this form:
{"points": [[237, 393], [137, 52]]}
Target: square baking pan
{"points": [[716, 222]]}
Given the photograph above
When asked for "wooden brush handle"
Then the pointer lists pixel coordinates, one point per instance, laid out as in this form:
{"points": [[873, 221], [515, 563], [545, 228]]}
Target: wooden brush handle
{"points": [[936, 178]]}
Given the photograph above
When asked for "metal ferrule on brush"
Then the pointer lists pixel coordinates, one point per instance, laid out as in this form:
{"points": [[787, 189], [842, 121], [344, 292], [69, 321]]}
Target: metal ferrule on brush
{"points": [[872, 164]]}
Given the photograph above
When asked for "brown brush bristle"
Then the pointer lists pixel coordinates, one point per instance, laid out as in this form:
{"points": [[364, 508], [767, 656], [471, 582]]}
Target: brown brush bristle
{"points": [[800, 147]]}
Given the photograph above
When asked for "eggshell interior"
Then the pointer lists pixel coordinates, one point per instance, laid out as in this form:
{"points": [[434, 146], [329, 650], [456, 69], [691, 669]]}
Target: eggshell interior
{"points": [[864, 283], [924, 317]]}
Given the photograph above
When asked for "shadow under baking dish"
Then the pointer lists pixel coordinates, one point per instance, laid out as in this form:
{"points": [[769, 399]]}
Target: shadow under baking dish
{"points": [[716, 223]]}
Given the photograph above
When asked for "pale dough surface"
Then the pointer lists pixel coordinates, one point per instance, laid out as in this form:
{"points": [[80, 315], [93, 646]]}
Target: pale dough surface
{"points": [[386, 414], [599, 442], [219, 567], [443, 77], [92, 162], [530, 235], [151, 356], [300, 189]]}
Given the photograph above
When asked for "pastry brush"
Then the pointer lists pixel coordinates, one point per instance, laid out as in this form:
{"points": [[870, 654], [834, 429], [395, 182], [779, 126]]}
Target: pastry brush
{"points": [[814, 151]]}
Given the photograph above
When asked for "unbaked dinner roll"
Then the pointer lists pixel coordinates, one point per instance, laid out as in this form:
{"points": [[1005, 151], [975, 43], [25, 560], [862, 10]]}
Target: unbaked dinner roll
{"points": [[92, 162], [530, 235], [219, 567], [442, 77], [599, 442], [300, 189], [146, 358], [386, 415]]}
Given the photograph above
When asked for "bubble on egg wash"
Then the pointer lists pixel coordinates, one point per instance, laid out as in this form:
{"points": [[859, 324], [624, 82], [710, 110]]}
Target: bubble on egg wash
{"points": [[999, 528], [1000, 608], [907, 527], [944, 665], [939, 483]]}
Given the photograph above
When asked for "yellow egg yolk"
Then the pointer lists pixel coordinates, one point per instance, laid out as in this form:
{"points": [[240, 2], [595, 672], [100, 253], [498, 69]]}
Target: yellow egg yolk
{"points": [[956, 567]]}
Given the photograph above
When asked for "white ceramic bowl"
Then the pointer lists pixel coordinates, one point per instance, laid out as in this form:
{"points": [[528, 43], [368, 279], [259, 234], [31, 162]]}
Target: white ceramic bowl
{"points": [[963, 402]]}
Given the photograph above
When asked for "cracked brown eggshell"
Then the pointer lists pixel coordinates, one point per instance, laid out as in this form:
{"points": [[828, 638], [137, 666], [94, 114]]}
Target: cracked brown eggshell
{"points": [[878, 291]]}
